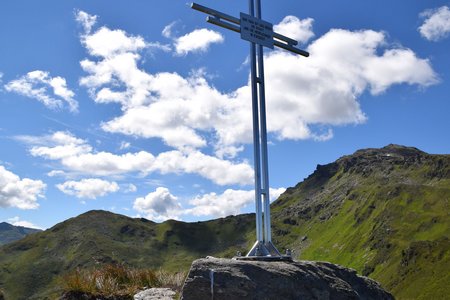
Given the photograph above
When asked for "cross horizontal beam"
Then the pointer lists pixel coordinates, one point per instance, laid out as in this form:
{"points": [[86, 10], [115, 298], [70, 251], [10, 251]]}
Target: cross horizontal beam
{"points": [[219, 22], [232, 23], [215, 13]]}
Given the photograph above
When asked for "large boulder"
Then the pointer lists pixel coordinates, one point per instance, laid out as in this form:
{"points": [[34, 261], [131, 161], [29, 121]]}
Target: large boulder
{"points": [[215, 278]]}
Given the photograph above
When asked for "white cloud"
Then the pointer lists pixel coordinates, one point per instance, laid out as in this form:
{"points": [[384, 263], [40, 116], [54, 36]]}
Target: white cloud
{"points": [[198, 40], [437, 23], [294, 28], [107, 43], [86, 20], [59, 145], [88, 188], [230, 202], [124, 145], [76, 155], [55, 173], [16, 221], [318, 92], [159, 205], [168, 30], [36, 85], [219, 171], [324, 88], [131, 188], [128, 85], [162, 205], [20, 193]]}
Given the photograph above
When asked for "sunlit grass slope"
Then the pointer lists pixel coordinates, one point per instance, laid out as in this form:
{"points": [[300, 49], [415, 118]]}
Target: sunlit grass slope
{"points": [[383, 212]]}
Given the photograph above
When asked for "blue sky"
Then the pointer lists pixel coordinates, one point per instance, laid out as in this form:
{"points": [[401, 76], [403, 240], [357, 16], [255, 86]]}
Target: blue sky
{"points": [[142, 108]]}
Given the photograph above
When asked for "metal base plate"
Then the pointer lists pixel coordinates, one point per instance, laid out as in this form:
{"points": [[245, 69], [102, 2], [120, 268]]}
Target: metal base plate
{"points": [[263, 258]]}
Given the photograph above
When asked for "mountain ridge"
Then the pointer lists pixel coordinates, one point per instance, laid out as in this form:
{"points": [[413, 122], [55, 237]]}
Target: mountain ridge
{"points": [[10, 233], [383, 212]]}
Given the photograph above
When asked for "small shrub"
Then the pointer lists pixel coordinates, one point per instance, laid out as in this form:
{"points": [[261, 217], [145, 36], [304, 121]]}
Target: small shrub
{"points": [[174, 281], [119, 280]]}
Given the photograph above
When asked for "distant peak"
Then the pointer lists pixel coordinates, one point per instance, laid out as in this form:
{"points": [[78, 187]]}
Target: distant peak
{"points": [[4, 225], [395, 147], [390, 150]]}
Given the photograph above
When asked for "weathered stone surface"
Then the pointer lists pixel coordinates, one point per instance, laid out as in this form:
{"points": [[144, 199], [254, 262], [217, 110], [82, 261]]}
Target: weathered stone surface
{"points": [[214, 278], [156, 294]]}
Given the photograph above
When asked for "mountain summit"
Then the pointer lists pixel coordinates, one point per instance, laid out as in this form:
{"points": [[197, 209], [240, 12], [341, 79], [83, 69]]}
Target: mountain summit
{"points": [[383, 212]]}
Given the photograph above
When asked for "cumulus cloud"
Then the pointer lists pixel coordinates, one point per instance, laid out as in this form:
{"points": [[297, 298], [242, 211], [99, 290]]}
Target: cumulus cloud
{"points": [[437, 23], [198, 40], [162, 205], [20, 193], [324, 88], [76, 155], [294, 28], [108, 43], [230, 202], [118, 54], [16, 221], [88, 188], [86, 20], [321, 91], [159, 205], [36, 85], [222, 172]]}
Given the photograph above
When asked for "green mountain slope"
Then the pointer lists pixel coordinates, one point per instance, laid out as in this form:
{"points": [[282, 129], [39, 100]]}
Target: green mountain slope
{"points": [[383, 212], [30, 268], [10, 233]]}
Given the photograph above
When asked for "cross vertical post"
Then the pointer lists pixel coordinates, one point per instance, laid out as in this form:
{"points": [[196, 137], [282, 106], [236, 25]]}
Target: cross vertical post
{"points": [[259, 33], [256, 143]]}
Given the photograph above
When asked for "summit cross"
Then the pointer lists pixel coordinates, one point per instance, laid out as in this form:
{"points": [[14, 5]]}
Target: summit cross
{"points": [[260, 34]]}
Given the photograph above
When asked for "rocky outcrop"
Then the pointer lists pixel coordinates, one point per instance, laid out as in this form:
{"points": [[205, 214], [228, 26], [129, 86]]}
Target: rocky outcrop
{"points": [[214, 278], [156, 294]]}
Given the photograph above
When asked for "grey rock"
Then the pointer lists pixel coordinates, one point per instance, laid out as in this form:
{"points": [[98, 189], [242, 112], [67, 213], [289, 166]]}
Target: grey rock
{"points": [[214, 278], [155, 294]]}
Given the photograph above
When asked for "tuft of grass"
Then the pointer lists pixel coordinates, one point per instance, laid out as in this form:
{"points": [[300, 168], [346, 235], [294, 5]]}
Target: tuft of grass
{"points": [[119, 280]]}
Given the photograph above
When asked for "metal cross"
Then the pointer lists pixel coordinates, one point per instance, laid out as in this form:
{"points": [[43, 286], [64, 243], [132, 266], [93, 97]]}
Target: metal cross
{"points": [[259, 33]]}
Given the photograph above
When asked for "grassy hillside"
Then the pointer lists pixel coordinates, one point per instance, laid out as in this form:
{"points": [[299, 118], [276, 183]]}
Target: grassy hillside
{"points": [[383, 212], [10, 233], [31, 267]]}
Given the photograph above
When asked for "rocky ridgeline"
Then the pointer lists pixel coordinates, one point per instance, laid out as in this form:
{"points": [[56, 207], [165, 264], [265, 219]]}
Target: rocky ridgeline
{"points": [[324, 191], [214, 278]]}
